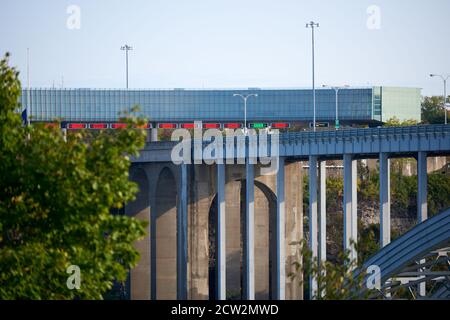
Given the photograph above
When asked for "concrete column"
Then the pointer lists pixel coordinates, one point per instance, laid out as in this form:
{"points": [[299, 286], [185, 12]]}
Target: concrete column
{"points": [[385, 200], [182, 240], [294, 228], [139, 277], [201, 194], [323, 211], [221, 271], [313, 244], [422, 206], [154, 135], [249, 234], [350, 205], [280, 233]]}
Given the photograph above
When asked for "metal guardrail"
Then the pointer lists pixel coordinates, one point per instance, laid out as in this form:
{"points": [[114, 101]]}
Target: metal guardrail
{"points": [[360, 133], [365, 132]]}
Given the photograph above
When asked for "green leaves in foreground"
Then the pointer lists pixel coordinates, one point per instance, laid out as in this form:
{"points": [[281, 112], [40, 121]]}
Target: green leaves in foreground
{"points": [[335, 281], [56, 193]]}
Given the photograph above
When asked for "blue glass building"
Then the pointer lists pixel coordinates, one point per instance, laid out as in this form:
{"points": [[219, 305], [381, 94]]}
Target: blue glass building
{"points": [[370, 105]]}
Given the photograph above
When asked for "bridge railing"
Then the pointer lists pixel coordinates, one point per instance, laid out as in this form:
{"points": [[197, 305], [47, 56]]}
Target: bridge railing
{"points": [[365, 132], [356, 132]]}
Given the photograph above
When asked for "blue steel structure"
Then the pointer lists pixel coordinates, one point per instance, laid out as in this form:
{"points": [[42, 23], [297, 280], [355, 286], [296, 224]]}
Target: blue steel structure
{"points": [[368, 105], [317, 147], [420, 255]]}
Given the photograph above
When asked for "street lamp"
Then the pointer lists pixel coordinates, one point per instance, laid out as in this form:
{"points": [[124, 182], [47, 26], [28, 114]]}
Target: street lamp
{"points": [[313, 25], [336, 90], [126, 48], [245, 97], [444, 78]]}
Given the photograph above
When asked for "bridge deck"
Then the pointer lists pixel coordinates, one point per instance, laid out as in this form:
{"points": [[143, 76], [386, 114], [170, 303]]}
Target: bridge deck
{"points": [[362, 143]]}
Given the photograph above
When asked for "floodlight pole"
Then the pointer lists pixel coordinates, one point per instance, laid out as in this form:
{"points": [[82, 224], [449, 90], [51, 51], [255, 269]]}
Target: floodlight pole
{"points": [[313, 25], [126, 48]]}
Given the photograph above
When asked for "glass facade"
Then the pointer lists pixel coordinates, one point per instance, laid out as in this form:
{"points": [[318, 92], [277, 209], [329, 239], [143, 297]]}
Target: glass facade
{"points": [[182, 105]]}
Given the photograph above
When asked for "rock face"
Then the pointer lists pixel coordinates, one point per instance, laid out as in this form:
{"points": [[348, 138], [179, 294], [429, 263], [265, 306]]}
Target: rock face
{"points": [[400, 221]]}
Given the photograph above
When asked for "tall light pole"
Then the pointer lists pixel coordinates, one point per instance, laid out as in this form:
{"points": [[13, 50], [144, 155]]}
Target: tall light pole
{"points": [[245, 98], [126, 48], [313, 25], [444, 78], [336, 90]]}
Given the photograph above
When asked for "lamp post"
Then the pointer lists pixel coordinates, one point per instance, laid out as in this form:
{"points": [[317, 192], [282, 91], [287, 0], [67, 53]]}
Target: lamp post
{"points": [[444, 78], [126, 48], [245, 98], [313, 25], [336, 90]]}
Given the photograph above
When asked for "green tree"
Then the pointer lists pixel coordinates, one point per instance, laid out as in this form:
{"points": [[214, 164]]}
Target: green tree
{"points": [[56, 193], [335, 281], [432, 112], [395, 122]]}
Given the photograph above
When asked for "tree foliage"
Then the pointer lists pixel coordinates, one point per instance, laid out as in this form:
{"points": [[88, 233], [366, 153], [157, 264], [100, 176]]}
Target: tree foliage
{"points": [[56, 193], [396, 122], [432, 111], [335, 281]]}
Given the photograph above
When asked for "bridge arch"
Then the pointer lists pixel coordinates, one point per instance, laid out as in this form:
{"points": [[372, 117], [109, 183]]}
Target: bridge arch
{"points": [[265, 213], [140, 276], [164, 237]]}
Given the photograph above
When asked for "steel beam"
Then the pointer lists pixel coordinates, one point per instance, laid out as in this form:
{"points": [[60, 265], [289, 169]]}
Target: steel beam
{"points": [[350, 205], [385, 200], [221, 235], [422, 206], [249, 234], [322, 211], [182, 231], [280, 233], [313, 245]]}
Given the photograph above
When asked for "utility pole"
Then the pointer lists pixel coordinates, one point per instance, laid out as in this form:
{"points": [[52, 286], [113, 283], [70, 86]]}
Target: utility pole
{"points": [[313, 25], [126, 48]]}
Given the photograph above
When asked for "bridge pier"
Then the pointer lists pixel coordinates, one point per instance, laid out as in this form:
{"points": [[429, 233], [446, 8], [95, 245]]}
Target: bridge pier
{"points": [[182, 239], [280, 232], [422, 207], [221, 263], [322, 211], [385, 200], [350, 205], [322, 254], [313, 245], [249, 233]]}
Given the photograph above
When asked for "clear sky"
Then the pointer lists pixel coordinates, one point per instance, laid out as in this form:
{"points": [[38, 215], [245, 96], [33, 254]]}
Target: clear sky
{"points": [[229, 43]]}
